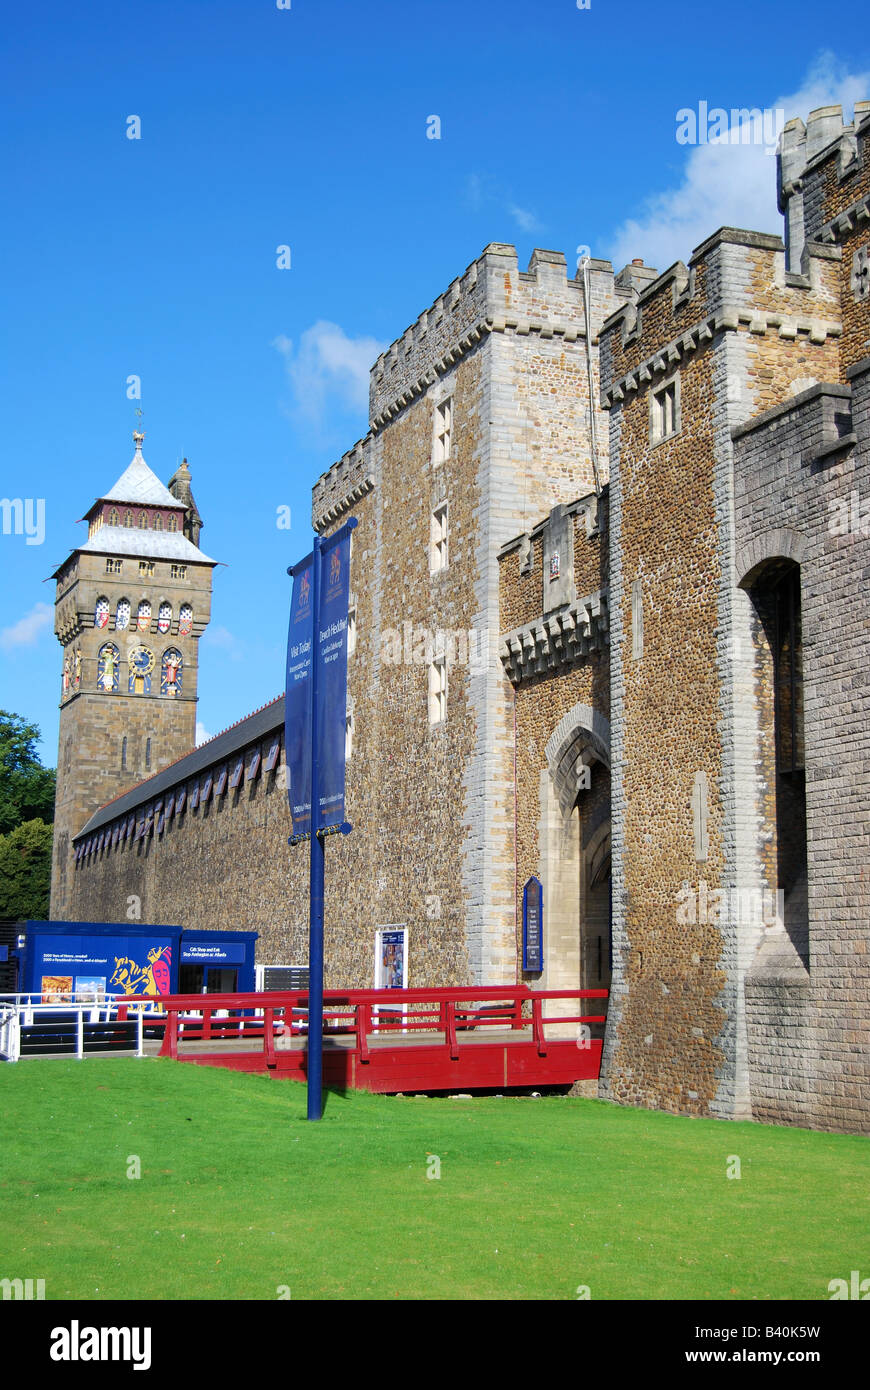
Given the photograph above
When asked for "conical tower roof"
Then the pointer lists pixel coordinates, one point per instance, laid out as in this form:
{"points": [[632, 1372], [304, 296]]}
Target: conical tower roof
{"points": [[138, 484]]}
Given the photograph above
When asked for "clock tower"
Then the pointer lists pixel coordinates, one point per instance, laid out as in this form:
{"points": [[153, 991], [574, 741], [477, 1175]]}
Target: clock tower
{"points": [[131, 605]]}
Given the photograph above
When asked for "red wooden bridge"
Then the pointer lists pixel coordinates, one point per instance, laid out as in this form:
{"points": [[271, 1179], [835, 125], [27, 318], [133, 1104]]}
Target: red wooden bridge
{"points": [[491, 1038]]}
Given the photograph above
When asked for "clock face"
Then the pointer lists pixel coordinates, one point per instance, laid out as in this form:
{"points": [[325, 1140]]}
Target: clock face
{"points": [[141, 660]]}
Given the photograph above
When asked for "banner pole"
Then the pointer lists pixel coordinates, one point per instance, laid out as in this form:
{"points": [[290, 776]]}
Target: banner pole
{"points": [[316, 877]]}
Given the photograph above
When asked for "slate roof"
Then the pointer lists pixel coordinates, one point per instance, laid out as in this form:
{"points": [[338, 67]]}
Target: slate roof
{"points": [[238, 736], [138, 484], [150, 545]]}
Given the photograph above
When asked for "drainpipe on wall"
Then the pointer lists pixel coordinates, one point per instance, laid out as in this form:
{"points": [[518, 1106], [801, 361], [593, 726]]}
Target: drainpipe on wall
{"points": [[516, 851], [593, 443]]}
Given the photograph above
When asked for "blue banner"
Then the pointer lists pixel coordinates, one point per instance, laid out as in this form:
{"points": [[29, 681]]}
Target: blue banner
{"points": [[323, 637], [297, 731], [331, 684]]}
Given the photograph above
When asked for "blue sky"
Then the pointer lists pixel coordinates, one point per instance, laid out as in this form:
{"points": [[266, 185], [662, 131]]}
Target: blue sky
{"points": [[306, 127]]}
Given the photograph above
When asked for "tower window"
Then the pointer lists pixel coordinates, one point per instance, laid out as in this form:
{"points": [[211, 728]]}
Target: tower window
{"points": [[443, 430], [438, 540], [164, 617], [146, 568], [122, 615], [101, 613], [178, 572], [147, 752], [124, 753], [438, 690], [185, 620], [144, 616], [665, 411], [113, 567]]}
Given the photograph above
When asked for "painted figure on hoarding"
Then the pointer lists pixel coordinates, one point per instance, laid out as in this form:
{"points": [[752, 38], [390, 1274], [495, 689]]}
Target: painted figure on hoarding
{"points": [[151, 979]]}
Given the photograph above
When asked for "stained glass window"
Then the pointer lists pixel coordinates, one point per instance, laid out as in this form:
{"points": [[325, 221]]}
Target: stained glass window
{"points": [[101, 613], [185, 620], [122, 615], [164, 617]]}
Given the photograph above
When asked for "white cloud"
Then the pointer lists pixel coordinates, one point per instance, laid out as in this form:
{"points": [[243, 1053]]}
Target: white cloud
{"points": [[328, 368], [202, 734], [729, 184], [227, 641], [525, 220], [25, 632], [482, 190]]}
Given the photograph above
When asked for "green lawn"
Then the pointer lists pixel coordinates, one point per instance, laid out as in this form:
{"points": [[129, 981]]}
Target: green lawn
{"points": [[239, 1194]]}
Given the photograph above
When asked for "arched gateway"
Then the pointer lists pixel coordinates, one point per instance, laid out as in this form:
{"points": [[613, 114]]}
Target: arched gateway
{"points": [[574, 838]]}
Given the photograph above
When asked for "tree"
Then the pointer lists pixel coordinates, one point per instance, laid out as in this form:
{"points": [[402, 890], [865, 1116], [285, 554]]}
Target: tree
{"points": [[25, 872], [26, 787]]}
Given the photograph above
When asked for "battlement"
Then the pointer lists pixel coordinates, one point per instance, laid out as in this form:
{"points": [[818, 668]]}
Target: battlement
{"points": [[807, 195], [734, 280], [343, 484], [492, 296]]}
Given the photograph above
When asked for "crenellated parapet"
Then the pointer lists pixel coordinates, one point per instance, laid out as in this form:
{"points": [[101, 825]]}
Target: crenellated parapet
{"points": [[342, 485], [822, 174], [492, 296], [736, 281]]}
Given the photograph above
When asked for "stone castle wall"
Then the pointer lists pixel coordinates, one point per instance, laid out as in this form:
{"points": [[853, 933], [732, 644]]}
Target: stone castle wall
{"points": [[798, 472]]}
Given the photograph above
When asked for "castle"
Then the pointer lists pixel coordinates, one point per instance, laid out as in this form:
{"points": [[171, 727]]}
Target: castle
{"points": [[608, 631]]}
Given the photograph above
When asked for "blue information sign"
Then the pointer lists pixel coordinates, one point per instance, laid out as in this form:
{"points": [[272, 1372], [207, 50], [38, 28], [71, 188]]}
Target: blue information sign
{"points": [[533, 926]]}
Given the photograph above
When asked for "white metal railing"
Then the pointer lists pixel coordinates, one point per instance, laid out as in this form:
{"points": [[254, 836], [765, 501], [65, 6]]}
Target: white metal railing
{"points": [[10, 1034], [19, 1011]]}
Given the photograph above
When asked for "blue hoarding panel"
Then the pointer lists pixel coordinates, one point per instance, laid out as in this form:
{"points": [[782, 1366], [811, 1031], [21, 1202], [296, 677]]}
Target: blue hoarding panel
{"points": [[66, 966]]}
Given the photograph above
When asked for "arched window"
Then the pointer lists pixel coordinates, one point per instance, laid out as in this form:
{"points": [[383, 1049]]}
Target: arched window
{"points": [[101, 612], [158, 522], [185, 620], [124, 753], [776, 595], [164, 617], [172, 524], [147, 752], [170, 681], [113, 517], [144, 616], [128, 518], [143, 521], [122, 616], [108, 664]]}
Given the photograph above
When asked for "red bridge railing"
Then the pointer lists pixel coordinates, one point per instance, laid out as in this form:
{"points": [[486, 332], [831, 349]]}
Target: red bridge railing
{"points": [[370, 1015]]}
